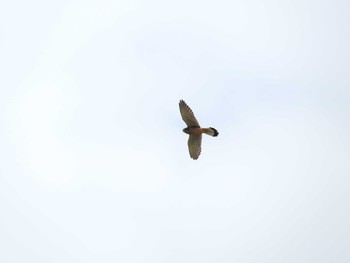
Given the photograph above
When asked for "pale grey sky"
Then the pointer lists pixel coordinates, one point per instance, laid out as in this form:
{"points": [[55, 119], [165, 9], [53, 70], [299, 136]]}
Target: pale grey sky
{"points": [[94, 164]]}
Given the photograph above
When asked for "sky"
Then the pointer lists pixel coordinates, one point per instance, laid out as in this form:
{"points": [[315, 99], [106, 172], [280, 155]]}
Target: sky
{"points": [[94, 163]]}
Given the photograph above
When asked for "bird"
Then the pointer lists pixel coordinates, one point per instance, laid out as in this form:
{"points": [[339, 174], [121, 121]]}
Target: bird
{"points": [[194, 130]]}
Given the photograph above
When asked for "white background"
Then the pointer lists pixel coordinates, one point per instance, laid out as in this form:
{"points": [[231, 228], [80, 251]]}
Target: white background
{"points": [[94, 164]]}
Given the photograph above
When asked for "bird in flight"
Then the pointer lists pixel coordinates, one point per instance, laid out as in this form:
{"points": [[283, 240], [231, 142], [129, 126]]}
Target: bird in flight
{"points": [[194, 130]]}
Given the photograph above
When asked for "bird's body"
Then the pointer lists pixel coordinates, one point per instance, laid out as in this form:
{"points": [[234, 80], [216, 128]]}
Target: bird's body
{"points": [[198, 130], [194, 130]]}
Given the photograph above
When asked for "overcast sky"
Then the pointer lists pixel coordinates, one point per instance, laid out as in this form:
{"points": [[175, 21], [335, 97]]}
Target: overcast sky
{"points": [[94, 163]]}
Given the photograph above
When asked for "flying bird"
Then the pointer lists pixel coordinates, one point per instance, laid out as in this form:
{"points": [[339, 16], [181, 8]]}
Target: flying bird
{"points": [[194, 130]]}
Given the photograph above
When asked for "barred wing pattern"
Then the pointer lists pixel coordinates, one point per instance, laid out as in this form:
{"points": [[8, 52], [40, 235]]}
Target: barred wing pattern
{"points": [[194, 145], [187, 114]]}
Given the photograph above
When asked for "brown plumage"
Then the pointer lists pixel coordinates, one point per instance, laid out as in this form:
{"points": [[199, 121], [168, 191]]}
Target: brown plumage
{"points": [[194, 130]]}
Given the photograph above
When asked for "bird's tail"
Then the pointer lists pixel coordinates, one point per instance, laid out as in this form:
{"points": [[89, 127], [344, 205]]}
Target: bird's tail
{"points": [[211, 131]]}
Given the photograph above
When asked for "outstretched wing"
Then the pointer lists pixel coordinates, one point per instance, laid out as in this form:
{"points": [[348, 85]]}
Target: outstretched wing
{"points": [[194, 145], [187, 114]]}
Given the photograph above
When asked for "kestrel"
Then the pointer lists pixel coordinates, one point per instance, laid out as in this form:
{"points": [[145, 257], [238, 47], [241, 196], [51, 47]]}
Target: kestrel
{"points": [[194, 130]]}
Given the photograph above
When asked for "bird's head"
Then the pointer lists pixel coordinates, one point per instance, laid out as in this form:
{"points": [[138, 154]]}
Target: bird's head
{"points": [[186, 130]]}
